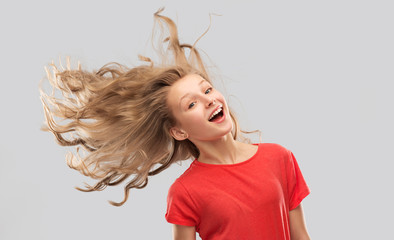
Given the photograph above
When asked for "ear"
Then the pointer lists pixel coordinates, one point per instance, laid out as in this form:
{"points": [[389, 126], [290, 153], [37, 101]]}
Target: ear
{"points": [[178, 134]]}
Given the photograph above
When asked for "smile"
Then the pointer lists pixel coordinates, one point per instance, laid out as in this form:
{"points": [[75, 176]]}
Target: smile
{"points": [[217, 114]]}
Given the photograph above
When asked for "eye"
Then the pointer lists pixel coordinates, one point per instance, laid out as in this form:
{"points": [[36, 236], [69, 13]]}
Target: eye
{"points": [[194, 103], [191, 105]]}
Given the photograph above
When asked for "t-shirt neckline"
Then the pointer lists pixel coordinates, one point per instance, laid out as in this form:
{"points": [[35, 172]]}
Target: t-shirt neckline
{"points": [[195, 162]]}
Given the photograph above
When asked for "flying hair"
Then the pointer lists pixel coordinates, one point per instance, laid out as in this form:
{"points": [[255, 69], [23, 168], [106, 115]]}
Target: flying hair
{"points": [[118, 116]]}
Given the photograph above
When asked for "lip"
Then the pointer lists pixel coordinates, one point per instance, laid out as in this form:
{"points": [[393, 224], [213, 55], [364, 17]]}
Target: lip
{"points": [[219, 106]]}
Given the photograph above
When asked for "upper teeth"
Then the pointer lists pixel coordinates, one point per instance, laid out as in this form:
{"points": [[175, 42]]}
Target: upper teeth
{"points": [[216, 112]]}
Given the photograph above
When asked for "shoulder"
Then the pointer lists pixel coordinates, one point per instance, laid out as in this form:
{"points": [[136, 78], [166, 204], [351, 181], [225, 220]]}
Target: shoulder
{"points": [[274, 148], [178, 186], [276, 153], [190, 177], [178, 193]]}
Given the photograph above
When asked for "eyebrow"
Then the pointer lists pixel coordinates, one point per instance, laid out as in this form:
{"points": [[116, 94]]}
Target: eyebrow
{"points": [[187, 94]]}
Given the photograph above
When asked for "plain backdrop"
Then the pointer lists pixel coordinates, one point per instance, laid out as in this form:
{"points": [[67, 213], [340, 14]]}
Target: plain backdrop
{"points": [[313, 76]]}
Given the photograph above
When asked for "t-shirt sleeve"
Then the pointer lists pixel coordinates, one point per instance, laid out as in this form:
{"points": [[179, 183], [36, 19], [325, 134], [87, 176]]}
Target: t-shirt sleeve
{"points": [[181, 209], [296, 185]]}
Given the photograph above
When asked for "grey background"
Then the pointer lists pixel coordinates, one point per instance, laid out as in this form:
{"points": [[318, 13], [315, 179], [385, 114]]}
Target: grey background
{"points": [[313, 76]]}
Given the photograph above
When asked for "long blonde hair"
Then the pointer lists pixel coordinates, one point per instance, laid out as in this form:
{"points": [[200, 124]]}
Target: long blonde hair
{"points": [[120, 116]]}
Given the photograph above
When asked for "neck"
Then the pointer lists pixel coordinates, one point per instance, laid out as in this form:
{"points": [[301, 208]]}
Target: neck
{"points": [[224, 150]]}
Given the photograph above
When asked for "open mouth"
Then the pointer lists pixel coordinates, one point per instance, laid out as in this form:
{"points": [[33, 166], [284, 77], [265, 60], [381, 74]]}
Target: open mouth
{"points": [[217, 116]]}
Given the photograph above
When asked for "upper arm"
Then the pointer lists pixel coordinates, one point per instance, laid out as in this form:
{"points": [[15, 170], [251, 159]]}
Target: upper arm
{"points": [[181, 232], [298, 229]]}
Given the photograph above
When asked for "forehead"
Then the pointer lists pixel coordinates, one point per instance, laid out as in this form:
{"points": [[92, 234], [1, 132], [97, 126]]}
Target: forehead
{"points": [[189, 80], [184, 86]]}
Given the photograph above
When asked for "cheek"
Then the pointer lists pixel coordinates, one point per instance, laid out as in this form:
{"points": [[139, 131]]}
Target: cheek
{"points": [[219, 96], [193, 120], [182, 120]]}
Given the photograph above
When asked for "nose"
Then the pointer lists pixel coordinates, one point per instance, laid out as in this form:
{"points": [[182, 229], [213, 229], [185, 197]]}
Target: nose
{"points": [[211, 102]]}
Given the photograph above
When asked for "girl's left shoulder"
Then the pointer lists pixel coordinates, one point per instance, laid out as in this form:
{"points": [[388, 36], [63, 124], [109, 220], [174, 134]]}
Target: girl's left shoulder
{"points": [[275, 147]]}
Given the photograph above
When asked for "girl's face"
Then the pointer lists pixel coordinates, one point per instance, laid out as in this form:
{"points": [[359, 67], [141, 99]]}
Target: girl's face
{"points": [[200, 110]]}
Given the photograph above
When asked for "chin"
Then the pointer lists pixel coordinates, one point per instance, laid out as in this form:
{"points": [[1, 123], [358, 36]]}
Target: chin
{"points": [[227, 132]]}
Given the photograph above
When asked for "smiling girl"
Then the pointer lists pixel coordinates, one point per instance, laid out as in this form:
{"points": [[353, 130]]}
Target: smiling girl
{"points": [[144, 119]]}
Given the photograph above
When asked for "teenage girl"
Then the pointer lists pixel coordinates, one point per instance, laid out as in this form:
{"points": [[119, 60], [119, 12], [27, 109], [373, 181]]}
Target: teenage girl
{"points": [[135, 123]]}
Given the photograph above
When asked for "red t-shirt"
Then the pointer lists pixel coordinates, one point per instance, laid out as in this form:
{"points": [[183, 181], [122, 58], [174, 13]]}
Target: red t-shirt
{"points": [[247, 200]]}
